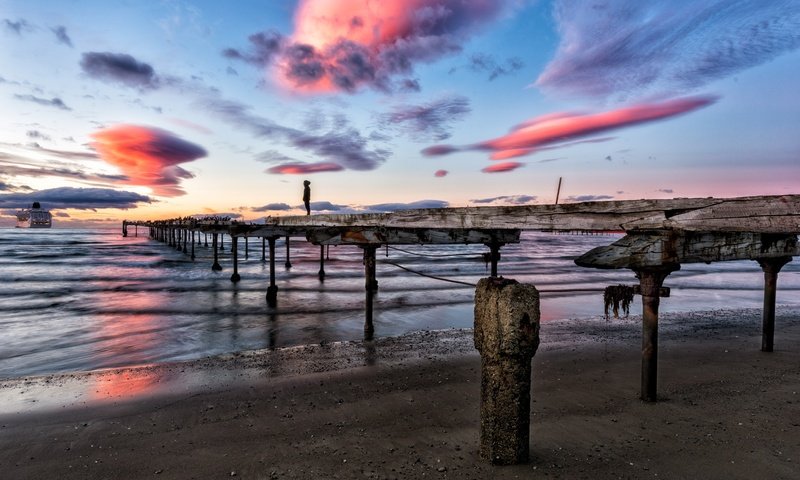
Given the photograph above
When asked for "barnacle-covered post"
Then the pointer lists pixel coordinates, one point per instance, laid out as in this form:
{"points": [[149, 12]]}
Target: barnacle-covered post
{"points": [[507, 336]]}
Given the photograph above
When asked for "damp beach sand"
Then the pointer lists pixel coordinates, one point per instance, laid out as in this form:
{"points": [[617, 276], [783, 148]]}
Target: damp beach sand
{"points": [[407, 407]]}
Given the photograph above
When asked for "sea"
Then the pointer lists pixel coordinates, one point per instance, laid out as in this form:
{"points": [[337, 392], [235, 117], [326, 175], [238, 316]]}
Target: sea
{"points": [[86, 299]]}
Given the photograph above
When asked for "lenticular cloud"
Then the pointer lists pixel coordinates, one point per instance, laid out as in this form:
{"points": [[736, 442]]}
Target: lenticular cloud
{"points": [[345, 44], [561, 129], [628, 48], [148, 156]]}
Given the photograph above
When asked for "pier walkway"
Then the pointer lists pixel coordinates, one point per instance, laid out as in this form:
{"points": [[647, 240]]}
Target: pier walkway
{"points": [[660, 235]]}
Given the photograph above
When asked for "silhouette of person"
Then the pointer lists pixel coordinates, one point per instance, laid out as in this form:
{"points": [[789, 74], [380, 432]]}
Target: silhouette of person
{"points": [[307, 196]]}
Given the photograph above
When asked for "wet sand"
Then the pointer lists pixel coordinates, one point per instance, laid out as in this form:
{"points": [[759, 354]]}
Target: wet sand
{"points": [[407, 407]]}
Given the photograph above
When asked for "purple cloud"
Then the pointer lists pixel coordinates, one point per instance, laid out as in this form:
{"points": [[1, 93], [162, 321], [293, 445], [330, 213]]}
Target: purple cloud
{"points": [[61, 35], [589, 198], [52, 102], [119, 68], [430, 121], [77, 198], [342, 145], [273, 207], [507, 199], [622, 48], [393, 207]]}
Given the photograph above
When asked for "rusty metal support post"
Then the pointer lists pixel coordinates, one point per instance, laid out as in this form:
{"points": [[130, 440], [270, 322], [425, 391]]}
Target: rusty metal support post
{"points": [[192, 256], [507, 336], [370, 287], [215, 266], [771, 268], [288, 263], [272, 290], [321, 273], [494, 256], [650, 282], [235, 251]]}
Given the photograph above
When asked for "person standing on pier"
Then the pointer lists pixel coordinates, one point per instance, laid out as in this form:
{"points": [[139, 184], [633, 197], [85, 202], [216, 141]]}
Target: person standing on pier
{"points": [[307, 196]]}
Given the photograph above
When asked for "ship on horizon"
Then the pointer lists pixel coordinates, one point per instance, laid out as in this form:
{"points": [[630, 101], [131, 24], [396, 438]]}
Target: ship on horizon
{"points": [[34, 217]]}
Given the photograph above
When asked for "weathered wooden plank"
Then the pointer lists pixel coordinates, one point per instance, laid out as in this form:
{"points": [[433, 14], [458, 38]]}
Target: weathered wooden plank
{"points": [[766, 214], [396, 236], [640, 250]]}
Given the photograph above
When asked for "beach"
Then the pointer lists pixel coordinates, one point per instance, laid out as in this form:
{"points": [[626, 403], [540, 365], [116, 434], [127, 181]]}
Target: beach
{"points": [[407, 407]]}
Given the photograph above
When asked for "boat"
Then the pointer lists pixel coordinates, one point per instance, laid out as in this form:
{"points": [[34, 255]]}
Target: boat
{"points": [[34, 217]]}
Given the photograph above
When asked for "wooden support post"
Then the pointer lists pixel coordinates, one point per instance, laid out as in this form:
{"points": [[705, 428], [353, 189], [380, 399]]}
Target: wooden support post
{"points": [[215, 266], [288, 263], [124, 228], [771, 268], [370, 285], [192, 256], [321, 273], [185, 239], [246, 247], [221, 242], [507, 336], [272, 290], [235, 251], [650, 281], [205, 237]]}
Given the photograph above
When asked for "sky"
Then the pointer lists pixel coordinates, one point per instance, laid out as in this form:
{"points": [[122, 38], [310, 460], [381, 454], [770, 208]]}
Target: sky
{"points": [[154, 109]]}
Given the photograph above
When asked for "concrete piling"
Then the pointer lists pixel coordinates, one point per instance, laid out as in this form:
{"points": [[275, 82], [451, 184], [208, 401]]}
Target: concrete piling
{"points": [[507, 336]]}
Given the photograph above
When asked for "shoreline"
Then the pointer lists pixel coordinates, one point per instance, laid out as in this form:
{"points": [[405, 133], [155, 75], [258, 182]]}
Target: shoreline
{"points": [[400, 407]]}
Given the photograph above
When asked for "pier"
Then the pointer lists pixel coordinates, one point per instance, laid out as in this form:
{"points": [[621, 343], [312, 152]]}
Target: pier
{"points": [[659, 236]]}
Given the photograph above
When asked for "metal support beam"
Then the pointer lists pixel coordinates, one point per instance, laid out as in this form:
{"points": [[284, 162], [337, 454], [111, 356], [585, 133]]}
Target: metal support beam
{"points": [[771, 268], [288, 263], [321, 273], [650, 282], [370, 286], [494, 256], [235, 251], [215, 266], [272, 290]]}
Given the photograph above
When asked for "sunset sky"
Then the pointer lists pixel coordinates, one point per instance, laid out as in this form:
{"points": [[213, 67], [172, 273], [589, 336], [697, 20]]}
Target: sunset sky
{"points": [[153, 109]]}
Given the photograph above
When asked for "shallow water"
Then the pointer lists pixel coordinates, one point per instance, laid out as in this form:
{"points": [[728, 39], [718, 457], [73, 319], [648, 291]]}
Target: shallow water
{"points": [[75, 299]]}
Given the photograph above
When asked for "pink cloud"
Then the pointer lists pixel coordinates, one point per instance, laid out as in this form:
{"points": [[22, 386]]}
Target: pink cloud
{"points": [[305, 168], [147, 156], [344, 44], [560, 128], [502, 167], [440, 173]]}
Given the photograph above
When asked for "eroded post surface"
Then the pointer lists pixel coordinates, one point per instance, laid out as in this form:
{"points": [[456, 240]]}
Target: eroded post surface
{"points": [[507, 336], [771, 268]]}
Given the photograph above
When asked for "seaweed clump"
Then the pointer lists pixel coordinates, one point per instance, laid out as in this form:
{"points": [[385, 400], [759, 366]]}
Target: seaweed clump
{"points": [[616, 296]]}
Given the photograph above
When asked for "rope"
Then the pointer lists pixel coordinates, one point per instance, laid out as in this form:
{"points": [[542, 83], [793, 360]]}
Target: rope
{"points": [[564, 290], [435, 254], [429, 276]]}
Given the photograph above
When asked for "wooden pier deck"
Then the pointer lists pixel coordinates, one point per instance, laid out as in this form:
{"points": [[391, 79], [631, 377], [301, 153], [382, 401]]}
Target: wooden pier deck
{"points": [[660, 235]]}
